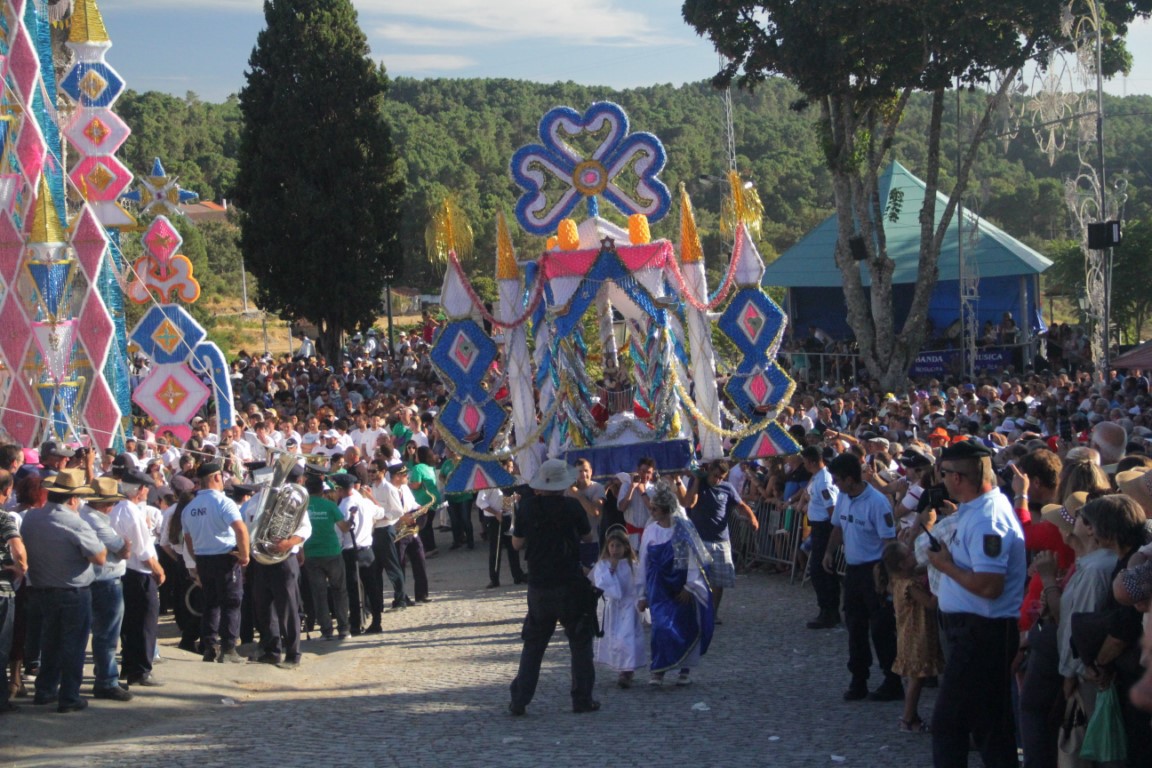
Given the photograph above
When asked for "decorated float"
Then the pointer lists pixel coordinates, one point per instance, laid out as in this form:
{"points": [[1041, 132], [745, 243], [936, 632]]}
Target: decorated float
{"points": [[63, 342], [601, 347]]}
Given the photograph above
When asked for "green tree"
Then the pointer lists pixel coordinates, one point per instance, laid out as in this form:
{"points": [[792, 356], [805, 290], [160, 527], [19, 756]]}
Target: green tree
{"points": [[858, 64], [317, 186]]}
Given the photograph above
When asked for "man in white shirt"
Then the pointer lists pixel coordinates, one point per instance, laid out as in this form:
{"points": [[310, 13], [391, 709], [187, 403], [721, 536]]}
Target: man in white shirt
{"points": [[276, 592], [141, 580], [395, 504], [361, 513], [634, 500]]}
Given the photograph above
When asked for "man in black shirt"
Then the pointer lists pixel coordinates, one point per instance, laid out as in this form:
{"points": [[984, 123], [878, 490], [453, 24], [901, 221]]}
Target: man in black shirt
{"points": [[551, 526]]}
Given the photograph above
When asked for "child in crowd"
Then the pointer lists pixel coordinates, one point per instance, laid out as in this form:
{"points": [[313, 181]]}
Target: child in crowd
{"points": [[918, 654], [622, 646]]}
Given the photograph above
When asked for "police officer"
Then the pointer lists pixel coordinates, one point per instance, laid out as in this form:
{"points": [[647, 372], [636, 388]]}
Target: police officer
{"points": [[983, 570], [215, 535], [822, 495], [862, 520]]}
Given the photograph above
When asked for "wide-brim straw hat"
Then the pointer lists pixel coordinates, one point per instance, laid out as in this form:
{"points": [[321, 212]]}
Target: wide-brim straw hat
{"points": [[68, 482], [1063, 516], [1137, 483], [105, 489]]}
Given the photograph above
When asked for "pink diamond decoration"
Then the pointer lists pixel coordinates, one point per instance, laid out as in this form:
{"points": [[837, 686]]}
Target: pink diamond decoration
{"points": [[101, 179], [23, 64], [88, 240], [11, 247], [31, 150], [162, 240], [751, 321], [480, 480], [171, 394], [758, 387], [463, 351], [96, 131], [471, 418], [19, 415], [763, 448], [101, 413], [14, 335], [96, 329]]}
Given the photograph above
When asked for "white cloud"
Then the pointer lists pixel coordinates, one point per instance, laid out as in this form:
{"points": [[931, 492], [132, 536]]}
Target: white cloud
{"points": [[418, 63], [449, 22]]}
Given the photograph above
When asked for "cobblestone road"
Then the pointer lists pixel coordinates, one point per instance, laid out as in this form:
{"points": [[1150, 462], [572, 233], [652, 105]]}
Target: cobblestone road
{"points": [[432, 691]]}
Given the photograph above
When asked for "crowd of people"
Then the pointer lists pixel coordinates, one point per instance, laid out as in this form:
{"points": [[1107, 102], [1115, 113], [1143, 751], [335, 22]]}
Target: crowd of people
{"points": [[958, 530]]}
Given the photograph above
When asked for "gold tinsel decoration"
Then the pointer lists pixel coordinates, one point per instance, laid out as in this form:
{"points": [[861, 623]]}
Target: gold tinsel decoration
{"points": [[506, 268], [638, 231], [448, 231], [742, 207], [690, 250]]}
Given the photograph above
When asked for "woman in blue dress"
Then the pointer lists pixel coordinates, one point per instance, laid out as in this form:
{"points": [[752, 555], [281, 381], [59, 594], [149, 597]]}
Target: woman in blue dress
{"points": [[672, 562]]}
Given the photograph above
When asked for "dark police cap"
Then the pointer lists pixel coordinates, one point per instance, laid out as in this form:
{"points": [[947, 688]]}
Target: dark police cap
{"points": [[296, 472], [397, 468], [136, 477], [208, 468], [181, 484], [966, 449], [343, 480], [241, 489]]}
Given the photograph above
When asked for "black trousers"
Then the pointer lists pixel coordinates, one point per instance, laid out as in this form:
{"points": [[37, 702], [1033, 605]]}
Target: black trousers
{"points": [[459, 514], [138, 631], [411, 549], [354, 576], [975, 699], [276, 594], [867, 615], [388, 562], [827, 585], [495, 530], [546, 607], [223, 582]]}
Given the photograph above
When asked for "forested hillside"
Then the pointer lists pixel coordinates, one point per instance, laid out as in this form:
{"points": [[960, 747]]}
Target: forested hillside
{"points": [[456, 137]]}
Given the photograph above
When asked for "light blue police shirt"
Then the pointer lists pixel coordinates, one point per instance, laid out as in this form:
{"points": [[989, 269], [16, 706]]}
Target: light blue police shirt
{"points": [[208, 521], [822, 495], [867, 522], [987, 539]]}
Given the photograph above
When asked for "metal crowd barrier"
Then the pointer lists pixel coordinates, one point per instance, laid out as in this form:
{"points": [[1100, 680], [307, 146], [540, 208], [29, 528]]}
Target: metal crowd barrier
{"points": [[777, 541]]}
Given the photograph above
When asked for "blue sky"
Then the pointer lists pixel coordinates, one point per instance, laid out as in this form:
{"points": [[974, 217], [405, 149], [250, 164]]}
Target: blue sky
{"points": [[203, 46]]}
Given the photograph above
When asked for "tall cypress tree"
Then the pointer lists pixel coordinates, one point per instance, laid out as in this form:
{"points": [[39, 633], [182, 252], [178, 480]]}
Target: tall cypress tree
{"points": [[317, 186]]}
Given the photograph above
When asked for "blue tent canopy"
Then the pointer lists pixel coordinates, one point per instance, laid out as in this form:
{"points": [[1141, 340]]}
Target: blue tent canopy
{"points": [[1006, 268]]}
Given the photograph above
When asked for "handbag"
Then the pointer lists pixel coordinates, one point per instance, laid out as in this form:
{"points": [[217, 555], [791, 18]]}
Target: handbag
{"points": [[1104, 738], [1072, 726]]}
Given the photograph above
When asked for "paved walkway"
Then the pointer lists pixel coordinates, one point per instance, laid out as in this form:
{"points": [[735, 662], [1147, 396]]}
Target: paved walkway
{"points": [[432, 691]]}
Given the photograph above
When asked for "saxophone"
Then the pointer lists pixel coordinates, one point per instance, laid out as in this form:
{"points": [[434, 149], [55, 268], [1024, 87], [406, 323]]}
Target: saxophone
{"points": [[413, 528]]}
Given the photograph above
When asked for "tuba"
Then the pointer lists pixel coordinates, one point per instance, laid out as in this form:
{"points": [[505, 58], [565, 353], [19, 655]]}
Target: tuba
{"points": [[282, 508]]}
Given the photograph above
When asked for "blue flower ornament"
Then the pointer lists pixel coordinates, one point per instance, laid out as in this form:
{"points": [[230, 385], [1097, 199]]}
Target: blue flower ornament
{"points": [[555, 176]]}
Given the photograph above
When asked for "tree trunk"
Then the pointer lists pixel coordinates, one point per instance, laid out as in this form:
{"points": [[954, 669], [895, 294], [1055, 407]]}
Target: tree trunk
{"points": [[329, 341]]}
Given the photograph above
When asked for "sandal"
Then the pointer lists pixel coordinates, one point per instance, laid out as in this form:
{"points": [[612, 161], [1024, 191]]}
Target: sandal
{"points": [[914, 726]]}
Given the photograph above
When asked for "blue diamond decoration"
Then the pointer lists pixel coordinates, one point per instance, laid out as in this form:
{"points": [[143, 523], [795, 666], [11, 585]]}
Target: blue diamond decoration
{"points": [[92, 84], [167, 334]]}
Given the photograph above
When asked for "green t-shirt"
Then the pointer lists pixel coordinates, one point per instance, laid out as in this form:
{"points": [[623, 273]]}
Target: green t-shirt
{"points": [[429, 491], [453, 498], [325, 538]]}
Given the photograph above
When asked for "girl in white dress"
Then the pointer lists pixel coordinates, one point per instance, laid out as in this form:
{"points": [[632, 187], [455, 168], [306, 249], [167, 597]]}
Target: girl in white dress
{"points": [[622, 647]]}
